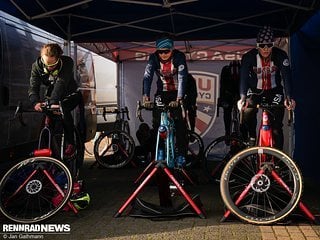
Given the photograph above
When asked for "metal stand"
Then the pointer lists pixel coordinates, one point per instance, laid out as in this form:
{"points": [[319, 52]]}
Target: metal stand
{"points": [[152, 164], [159, 166], [304, 209]]}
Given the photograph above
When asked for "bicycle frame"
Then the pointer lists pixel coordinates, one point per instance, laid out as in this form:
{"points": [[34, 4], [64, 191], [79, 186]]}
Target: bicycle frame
{"points": [[265, 138], [47, 152], [167, 136], [167, 123]]}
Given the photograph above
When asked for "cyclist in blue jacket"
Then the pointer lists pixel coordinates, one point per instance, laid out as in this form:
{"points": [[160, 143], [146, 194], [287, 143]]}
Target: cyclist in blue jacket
{"points": [[170, 67]]}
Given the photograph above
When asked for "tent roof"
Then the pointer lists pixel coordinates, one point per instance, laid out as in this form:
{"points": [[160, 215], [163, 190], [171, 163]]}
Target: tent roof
{"points": [[137, 20], [105, 21]]}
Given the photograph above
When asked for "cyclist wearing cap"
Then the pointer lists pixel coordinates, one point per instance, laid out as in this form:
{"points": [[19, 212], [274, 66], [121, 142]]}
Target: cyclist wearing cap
{"points": [[263, 70], [55, 71], [170, 67]]}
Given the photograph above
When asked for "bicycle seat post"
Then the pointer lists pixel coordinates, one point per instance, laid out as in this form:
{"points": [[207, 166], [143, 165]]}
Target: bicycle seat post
{"points": [[46, 128]]}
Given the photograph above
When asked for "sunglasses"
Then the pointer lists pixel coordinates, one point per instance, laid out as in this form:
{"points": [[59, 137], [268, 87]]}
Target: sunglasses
{"points": [[263, 45], [166, 51], [50, 65]]}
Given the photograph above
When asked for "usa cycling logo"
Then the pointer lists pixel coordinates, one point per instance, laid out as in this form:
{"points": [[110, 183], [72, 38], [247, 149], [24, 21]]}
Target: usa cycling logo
{"points": [[208, 87]]}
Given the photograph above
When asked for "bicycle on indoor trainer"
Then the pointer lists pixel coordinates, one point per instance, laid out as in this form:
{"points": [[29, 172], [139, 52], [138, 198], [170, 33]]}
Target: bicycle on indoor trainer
{"points": [[38, 187], [262, 184], [194, 148], [165, 157]]}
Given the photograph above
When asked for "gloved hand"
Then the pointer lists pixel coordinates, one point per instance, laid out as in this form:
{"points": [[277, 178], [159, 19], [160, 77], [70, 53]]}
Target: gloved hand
{"points": [[174, 104], [290, 104], [146, 102], [241, 104], [37, 107]]}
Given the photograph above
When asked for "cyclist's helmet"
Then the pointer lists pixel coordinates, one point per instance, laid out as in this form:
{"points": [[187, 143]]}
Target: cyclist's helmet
{"points": [[164, 43], [81, 200], [265, 35]]}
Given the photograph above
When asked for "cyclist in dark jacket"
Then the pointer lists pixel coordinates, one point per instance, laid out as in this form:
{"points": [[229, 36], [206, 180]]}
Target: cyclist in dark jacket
{"points": [[229, 91], [263, 70], [55, 71], [190, 101]]}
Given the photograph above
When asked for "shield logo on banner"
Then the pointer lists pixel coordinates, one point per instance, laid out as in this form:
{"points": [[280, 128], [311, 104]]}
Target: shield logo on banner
{"points": [[208, 89]]}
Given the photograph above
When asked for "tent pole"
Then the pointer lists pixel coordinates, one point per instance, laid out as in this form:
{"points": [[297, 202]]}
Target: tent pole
{"points": [[120, 85]]}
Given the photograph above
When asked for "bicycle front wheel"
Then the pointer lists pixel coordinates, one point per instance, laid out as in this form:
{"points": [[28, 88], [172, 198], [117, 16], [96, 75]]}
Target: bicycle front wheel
{"points": [[218, 153], [35, 189], [261, 185], [114, 149]]}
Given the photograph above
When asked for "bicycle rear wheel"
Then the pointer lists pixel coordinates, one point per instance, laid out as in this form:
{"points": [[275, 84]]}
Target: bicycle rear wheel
{"points": [[114, 149], [35, 189], [195, 149], [218, 153], [261, 185]]}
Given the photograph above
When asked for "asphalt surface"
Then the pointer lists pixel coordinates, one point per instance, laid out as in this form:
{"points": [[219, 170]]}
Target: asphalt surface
{"points": [[110, 188]]}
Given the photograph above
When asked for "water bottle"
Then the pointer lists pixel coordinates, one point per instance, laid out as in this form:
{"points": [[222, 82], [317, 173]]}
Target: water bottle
{"points": [[265, 121], [162, 131]]}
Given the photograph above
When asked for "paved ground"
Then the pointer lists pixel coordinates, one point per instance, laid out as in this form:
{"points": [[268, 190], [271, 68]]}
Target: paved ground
{"points": [[110, 188]]}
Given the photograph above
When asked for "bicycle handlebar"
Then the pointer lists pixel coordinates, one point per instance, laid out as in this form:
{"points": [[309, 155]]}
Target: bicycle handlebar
{"points": [[46, 109], [268, 106], [121, 111], [162, 107]]}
